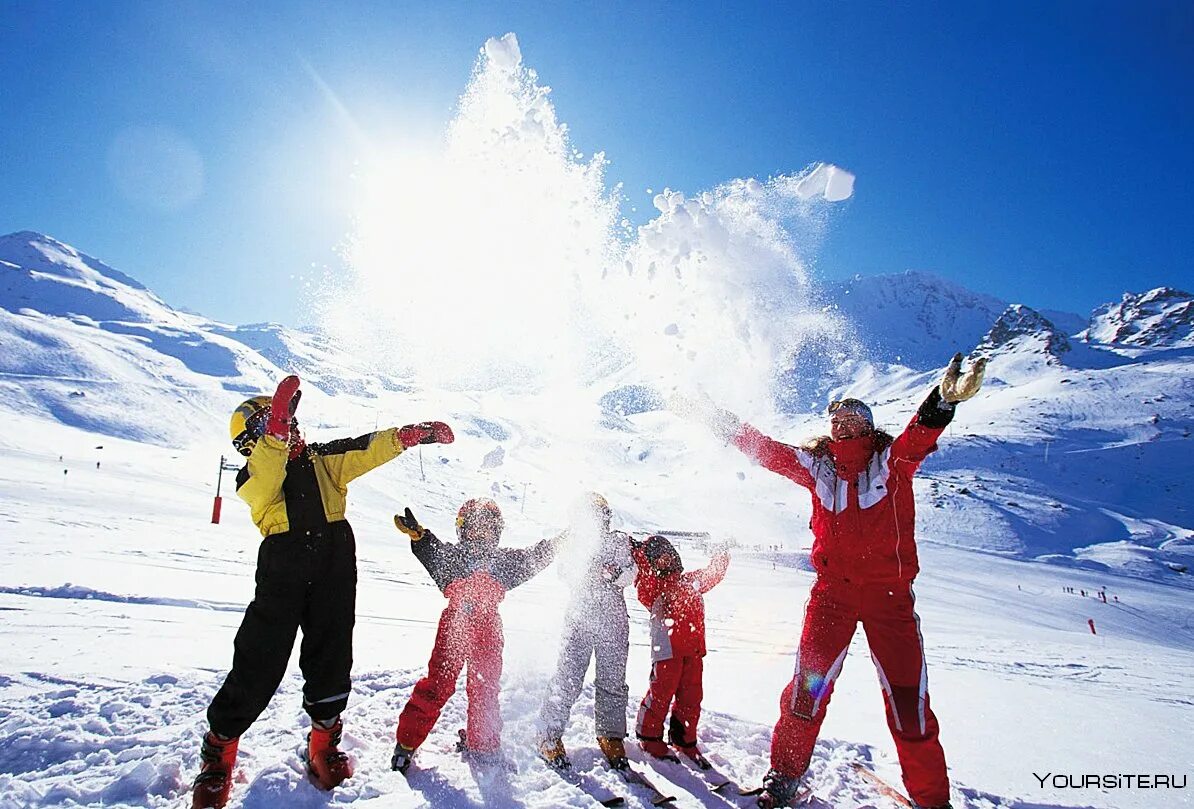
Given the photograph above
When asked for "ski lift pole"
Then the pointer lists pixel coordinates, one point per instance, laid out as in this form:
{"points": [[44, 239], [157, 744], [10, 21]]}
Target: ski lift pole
{"points": [[216, 506]]}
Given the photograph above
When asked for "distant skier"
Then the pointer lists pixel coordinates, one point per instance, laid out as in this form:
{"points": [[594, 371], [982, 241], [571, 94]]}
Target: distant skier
{"points": [[474, 574], [306, 578], [864, 552], [677, 645], [598, 567]]}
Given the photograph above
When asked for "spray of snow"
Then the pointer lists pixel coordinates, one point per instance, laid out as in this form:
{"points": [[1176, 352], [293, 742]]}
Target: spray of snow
{"points": [[713, 295], [496, 262], [465, 262]]}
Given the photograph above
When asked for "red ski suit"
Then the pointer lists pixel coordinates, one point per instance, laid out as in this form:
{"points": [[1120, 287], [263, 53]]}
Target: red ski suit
{"points": [[864, 553], [470, 631], [677, 647]]}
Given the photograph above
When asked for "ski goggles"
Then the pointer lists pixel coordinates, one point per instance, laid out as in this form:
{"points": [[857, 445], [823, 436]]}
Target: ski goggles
{"points": [[851, 407]]}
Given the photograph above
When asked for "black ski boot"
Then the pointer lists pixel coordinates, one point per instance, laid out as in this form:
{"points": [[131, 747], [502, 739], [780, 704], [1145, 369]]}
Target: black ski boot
{"points": [[402, 758], [778, 790]]}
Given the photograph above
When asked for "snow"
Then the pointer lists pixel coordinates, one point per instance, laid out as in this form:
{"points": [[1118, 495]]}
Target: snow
{"points": [[502, 298], [121, 602]]}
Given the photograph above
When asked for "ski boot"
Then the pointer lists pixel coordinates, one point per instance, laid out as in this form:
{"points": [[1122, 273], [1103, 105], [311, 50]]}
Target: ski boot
{"points": [[778, 790], [614, 751], [656, 747], [325, 762], [552, 751], [491, 761], [693, 754], [402, 758], [214, 782], [687, 749]]}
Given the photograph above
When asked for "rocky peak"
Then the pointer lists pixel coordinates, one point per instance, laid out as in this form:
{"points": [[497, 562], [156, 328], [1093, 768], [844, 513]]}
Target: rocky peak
{"points": [[1160, 318], [1021, 328]]}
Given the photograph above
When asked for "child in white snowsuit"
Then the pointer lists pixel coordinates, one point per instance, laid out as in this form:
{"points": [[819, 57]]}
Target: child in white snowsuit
{"points": [[596, 626]]}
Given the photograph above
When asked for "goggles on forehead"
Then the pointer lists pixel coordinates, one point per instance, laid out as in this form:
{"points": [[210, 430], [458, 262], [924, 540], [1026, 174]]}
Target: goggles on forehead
{"points": [[851, 407]]}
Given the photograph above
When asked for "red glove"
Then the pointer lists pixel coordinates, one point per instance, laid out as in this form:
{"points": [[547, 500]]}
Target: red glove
{"points": [[425, 432], [282, 407]]}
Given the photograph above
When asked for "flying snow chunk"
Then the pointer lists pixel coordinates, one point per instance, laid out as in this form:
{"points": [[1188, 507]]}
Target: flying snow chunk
{"points": [[504, 52], [826, 180], [839, 185]]}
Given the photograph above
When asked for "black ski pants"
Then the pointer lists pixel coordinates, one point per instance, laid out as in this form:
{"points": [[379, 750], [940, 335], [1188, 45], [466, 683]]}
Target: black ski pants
{"points": [[306, 581]]}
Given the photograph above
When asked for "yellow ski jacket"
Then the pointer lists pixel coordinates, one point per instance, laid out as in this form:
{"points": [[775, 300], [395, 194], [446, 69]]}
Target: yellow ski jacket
{"points": [[309, 492]]}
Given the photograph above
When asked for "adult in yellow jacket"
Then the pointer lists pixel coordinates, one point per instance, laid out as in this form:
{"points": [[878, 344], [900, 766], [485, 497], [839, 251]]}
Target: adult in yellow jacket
{"points": [[306, 578]]}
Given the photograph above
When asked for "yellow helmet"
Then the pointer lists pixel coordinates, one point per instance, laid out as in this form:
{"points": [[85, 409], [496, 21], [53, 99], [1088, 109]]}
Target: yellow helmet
{"points": [[248, 423]]}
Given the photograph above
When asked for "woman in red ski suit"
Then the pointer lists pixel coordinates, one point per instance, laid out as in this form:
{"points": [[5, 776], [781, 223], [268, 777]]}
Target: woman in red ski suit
{"points": [[864, 553], [474, 575], [677, 643]]}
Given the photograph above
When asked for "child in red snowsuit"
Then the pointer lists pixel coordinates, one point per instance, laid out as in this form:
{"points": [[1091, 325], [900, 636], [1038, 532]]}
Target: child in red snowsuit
{"points": [[474, 575], [677, 643]]}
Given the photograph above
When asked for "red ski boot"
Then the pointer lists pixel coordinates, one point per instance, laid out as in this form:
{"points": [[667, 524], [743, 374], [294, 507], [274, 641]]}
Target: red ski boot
{"points": [[656, 747], [214, 782], [326, 764]]}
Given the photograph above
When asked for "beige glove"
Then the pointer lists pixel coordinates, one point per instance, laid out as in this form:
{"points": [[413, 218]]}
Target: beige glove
{"points": [[957, 386]]}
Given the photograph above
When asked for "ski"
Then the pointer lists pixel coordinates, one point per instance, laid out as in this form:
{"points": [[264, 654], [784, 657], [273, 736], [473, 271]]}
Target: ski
{"points": [[635, 778], [882, 787], [589, 785], [804, 796], [716, 780]]}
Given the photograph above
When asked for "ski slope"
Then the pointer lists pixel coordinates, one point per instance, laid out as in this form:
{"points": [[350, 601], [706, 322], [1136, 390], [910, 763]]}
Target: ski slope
{"points": [[121, 600]]}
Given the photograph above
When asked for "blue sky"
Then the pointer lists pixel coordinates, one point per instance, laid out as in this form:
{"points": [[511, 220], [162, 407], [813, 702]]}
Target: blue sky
{"points": [[1043, 153]]}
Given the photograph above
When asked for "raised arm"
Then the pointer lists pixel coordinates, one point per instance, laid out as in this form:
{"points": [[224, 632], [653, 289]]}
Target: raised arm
{"points": [[259, 482], [441, 560], [647, 585], [349, 458], [782, 459], [711, 575], [517, 566], [919, 438]]}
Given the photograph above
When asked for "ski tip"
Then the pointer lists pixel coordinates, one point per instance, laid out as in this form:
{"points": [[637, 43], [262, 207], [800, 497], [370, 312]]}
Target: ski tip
{"points": [[618, 801]]}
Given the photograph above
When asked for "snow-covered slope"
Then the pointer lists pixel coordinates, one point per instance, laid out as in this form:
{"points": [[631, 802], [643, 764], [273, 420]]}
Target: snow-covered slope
{"points": [[1072, 455], [1073, 452], [86, 345]]}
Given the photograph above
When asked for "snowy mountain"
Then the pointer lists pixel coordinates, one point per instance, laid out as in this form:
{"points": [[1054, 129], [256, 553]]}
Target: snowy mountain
{"points": [[87, 346], [916, 318], [1024, 331], [1159, 318]]}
